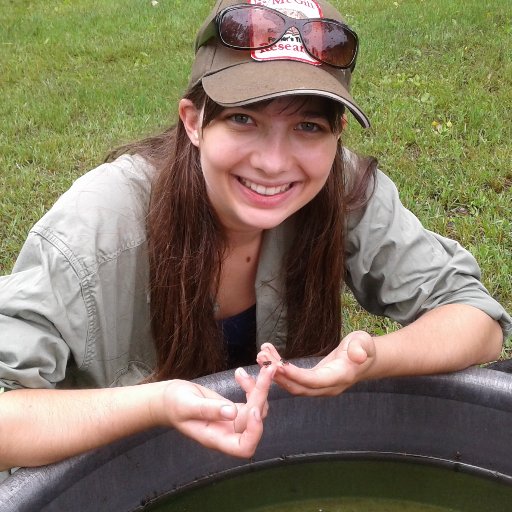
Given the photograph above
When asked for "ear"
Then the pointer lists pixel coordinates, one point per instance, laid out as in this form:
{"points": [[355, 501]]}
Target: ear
{"points": [[344, 122], [191, 118]]}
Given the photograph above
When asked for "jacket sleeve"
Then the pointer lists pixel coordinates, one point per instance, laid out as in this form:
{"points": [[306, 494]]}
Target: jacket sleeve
{"points": [[41, 306], [397, 268]]}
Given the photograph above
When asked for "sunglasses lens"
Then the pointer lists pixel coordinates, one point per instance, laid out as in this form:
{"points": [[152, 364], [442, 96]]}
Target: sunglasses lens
{"points": [[330, 43], [250, 27]]}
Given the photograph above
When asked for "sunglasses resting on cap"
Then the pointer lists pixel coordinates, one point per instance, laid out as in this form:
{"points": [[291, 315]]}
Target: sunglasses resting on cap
{"points": [[256, 27]]}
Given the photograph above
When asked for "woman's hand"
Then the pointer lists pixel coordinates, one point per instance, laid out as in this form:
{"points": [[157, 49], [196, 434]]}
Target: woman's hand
{"points": [[336, 372], [217, 423]]}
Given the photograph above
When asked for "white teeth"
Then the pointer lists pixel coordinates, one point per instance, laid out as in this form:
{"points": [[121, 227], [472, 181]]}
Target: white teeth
{"points": [[265, 191]]}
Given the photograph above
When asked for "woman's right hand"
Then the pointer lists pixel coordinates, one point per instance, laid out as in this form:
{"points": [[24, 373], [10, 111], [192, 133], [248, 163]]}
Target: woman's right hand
{"points": [[217, 423], [87, 419]]}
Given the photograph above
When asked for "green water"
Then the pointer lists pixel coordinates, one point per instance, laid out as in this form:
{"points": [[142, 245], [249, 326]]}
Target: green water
{"points": [[352, 505], [344, 486]]}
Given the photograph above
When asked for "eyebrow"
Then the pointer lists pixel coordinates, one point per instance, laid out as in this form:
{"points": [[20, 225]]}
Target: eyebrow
{"points": [[315, 113]]}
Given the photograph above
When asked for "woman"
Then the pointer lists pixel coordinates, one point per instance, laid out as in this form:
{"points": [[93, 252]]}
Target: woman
{"points": [[222, 241]]}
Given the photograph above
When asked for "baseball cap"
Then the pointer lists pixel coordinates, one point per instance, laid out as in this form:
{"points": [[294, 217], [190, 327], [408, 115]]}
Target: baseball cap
{"points": [[233, 77]]}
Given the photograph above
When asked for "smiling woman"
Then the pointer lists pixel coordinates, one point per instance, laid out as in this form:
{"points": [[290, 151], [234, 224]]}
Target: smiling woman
{"points": [[224, 240]]}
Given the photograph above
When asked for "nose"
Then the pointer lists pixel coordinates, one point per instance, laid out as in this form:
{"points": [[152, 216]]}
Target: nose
{"points": [[273, 155]]}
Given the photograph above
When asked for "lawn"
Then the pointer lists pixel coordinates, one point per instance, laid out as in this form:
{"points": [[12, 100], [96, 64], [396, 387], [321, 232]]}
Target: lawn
{"points": [[79, 77]]}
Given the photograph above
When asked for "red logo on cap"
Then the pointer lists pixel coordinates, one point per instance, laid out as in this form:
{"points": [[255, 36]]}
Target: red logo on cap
{"points": [[290, 46]]}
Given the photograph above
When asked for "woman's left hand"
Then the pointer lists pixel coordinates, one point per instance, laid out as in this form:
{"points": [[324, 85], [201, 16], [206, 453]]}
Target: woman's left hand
{"points": [[336, 372]]}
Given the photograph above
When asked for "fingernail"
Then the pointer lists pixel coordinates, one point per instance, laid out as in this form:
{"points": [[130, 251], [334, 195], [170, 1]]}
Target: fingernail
{"points": [[226, 411], [242, 372], [266, 363]]}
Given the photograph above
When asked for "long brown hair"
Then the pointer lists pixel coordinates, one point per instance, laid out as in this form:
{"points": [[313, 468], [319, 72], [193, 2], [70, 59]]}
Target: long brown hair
{"points": [[186, 247]]}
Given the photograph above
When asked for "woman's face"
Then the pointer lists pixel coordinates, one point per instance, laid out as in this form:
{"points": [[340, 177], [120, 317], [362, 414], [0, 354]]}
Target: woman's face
{"points": [[261, 164]]}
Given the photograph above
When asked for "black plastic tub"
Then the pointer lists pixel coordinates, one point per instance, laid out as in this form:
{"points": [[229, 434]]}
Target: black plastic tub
{"points": [[460, 423]]}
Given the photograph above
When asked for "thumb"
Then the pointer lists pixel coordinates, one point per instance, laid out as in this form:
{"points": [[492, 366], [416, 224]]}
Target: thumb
{"points": [[361, 346], [211, 409]]}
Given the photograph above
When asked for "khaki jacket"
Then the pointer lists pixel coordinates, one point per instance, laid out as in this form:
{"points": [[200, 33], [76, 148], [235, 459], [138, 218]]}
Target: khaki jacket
{"points": [[75, 310]]}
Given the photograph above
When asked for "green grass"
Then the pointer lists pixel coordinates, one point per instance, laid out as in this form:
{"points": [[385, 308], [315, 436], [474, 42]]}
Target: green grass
{"points": [[79, 77]]}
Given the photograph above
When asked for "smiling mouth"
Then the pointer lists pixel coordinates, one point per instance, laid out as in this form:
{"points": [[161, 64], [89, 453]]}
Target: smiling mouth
{"points": [[265, 191]]}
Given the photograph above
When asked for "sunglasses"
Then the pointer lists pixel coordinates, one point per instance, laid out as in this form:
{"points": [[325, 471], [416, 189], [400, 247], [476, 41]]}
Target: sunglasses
{"points": [[256, 27]]}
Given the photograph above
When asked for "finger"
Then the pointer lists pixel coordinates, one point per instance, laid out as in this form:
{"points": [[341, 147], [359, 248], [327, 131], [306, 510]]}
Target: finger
{"points": [[250, 437], [264, 357], [300, 390], [210, 409], [264, 412], [324, 381], [256, 397], [259, 394], [328, 358], [244, 380], [292, 376], [241, 444], [185, 401], [271, 350]]}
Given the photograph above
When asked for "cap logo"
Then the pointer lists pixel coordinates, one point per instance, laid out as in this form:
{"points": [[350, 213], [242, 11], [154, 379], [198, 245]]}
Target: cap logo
{"points": [[290, 46]]}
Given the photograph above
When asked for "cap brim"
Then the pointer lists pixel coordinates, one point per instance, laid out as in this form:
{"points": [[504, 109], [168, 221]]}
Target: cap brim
{"points": [[250, 82]]}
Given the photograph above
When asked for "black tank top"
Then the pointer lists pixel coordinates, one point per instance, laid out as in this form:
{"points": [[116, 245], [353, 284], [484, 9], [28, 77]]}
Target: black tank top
{"points": [[239, 333]]}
